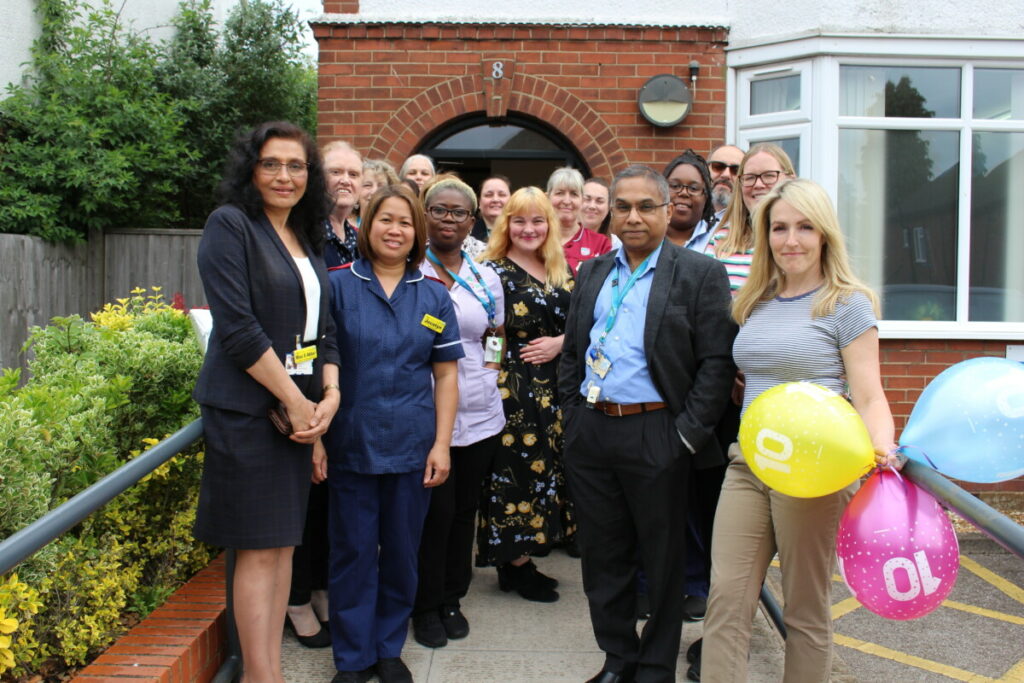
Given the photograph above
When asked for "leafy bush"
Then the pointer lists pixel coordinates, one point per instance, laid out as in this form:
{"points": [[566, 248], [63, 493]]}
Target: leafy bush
{"points": [[98, 391], [113, 131], [90, 143]]}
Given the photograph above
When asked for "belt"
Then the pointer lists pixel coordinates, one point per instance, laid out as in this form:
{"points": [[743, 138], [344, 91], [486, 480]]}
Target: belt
{"points": [[624, 409]]}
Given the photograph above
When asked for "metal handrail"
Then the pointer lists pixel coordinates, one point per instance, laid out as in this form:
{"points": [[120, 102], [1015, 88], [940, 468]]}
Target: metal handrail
{"points": [[25, 542]]}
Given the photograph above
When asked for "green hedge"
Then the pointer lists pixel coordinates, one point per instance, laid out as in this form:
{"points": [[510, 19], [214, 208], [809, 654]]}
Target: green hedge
{"points": [[99, 392]]}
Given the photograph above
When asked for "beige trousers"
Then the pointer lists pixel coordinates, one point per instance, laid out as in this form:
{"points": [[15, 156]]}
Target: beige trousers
{"points": [[752, 523]]}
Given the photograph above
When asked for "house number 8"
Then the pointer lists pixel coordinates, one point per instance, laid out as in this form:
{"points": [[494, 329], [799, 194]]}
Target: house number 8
{"points": [[498, 70]]}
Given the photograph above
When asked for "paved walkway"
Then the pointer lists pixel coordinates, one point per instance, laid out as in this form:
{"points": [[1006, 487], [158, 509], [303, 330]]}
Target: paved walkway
{"points": [[977, 635]]}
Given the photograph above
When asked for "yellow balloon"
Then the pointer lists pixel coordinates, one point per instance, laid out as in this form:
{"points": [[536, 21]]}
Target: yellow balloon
{"points": [[804, 440]]}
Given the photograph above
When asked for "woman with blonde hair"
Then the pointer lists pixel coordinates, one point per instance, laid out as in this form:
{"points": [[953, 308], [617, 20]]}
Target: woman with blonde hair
{"points": [[804, 316], [523, 510], [763, 166]]}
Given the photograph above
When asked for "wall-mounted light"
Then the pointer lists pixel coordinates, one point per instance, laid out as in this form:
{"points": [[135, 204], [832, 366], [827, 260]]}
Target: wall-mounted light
{"points": [[665, 100], [694, 68]]}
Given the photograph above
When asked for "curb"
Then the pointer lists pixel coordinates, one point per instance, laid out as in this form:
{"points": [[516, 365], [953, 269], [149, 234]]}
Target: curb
{"points": [[182, 641]]}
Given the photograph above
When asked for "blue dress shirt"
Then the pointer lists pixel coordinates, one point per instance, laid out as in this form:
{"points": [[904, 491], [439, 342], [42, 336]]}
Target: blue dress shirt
{"points": [[385, 424], [702, 233], [628, 380]]}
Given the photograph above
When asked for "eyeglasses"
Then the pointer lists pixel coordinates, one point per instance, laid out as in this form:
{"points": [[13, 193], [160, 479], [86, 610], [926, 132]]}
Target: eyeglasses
{"points": [[623, 209], [439, 212], [295, 169], [769, 178], [720, 166], [691, 188]]}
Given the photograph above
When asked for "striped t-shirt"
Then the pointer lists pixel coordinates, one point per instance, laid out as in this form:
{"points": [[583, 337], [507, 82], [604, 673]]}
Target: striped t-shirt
{"points": [[737, 266], [780, 342]]}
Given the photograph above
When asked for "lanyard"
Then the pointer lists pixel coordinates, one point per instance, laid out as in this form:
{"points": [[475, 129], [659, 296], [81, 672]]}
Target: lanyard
{"points": [[490, 307], [617, 298]]}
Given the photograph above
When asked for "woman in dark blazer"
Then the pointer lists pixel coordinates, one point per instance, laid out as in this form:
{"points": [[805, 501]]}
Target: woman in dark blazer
{"points": [[273, 343]]}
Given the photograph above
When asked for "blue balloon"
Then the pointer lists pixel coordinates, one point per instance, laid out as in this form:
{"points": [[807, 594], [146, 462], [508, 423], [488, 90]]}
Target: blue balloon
{"points": [[969, 421]]}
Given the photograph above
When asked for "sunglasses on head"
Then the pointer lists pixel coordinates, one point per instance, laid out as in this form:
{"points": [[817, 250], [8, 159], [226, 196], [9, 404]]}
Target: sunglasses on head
{"points": [[720, 166]]}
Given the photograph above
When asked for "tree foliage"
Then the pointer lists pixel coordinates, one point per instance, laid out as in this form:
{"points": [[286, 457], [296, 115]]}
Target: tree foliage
{"points": [[113, 130]]}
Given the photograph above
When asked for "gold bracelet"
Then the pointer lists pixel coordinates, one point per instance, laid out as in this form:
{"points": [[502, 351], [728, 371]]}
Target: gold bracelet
{"points": [[331, 386]]}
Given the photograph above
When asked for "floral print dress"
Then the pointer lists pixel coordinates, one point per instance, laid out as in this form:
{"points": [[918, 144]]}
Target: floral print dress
{"points": [[524, 507]]}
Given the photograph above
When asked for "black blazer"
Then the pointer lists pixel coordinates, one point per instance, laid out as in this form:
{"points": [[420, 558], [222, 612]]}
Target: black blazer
{"points": [[688, 335], [257, 301]]}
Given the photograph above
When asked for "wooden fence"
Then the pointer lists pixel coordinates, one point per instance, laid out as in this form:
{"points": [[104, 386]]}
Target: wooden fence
{"points": [[39, 280]]}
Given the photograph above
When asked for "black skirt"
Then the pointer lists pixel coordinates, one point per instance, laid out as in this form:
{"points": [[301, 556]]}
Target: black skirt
{"points": [[255, 483]]}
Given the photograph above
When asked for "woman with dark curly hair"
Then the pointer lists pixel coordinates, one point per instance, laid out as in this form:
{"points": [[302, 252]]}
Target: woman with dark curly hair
{"points": [[689, 184], [272, 347]]}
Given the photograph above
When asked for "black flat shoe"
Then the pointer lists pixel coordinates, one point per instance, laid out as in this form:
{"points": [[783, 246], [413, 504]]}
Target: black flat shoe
{"points": [[454, 622], [353, 676], [428, 630], [318, 640], [527, 581], [393, 670], [694, 608], [693, 656]]}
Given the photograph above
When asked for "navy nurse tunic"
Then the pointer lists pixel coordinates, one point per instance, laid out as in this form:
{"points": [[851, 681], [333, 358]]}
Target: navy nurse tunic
{"points": [[385, 424]]}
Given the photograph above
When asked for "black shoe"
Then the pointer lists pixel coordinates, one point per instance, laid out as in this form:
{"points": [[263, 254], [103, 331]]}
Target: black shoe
{"points": [[393, 670], [694, 608], [454, 622], [693, 656], [527, 581], [572, 548], [319, 639], [606, 676], [353, 676], [428, 631]]}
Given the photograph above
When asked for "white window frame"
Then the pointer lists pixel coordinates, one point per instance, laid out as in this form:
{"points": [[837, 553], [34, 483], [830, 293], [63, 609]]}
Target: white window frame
{"points": [[819, 58]]}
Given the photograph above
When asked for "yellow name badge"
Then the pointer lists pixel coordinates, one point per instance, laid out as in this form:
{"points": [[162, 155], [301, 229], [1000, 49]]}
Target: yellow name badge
{"points": [[432, 323], [304, 355]]}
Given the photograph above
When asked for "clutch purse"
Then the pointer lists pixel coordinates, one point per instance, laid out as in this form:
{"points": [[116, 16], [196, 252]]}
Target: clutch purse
{"points": [[279, 417]]}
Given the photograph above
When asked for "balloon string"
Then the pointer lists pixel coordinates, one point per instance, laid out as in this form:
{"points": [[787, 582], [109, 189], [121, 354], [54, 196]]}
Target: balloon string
{"points": [[903, 448]]}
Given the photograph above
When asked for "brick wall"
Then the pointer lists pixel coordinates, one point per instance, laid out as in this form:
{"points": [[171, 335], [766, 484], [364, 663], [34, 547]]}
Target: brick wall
{"points": [[387, 87]]}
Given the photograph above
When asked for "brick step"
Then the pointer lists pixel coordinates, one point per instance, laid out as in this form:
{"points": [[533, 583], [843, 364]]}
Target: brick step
{"points": [[183, 641]]}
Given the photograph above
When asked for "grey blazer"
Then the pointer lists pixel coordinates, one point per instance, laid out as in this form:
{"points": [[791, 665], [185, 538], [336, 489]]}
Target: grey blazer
{"points": [[258, 302], [688, 335]]}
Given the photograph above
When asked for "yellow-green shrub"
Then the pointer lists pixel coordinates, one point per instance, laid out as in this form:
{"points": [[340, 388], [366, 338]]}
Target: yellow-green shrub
{"points": [[98, 391]]}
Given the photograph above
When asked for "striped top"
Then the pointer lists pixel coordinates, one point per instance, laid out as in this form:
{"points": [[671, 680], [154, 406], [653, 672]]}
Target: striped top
{"points": [[780, 342], [737, 266]]}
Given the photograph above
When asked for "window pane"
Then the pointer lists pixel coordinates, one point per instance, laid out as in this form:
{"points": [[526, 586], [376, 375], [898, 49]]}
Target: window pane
{"points": [[998, 94], [997, 228], [791, 146], [498, 137], [775, 94], [925, 92], [898, 207]]}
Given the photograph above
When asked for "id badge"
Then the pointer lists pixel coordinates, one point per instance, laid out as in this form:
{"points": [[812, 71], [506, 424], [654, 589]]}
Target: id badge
{"points": [[599, 363], [593, 393], [300, 362], [493, 347]]}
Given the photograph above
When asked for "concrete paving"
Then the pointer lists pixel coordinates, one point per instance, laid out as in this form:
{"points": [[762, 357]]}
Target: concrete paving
{"points": [[976, 635]]}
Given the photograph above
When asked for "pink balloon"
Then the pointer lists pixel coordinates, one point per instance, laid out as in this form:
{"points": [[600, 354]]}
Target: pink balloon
{"points": [[897, 549]]}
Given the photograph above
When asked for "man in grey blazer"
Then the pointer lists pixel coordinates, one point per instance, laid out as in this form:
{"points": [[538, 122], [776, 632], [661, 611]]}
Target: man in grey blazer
{"points": [[645, 374]]}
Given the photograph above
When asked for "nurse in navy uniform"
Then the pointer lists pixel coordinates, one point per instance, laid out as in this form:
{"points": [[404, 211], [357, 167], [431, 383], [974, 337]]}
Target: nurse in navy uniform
{"points": [[398, 340]]}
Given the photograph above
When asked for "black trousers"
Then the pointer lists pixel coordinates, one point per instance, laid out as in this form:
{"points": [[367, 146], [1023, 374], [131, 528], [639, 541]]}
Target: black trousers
{"points": [[629, 479], [446, 547], [309, 561]]}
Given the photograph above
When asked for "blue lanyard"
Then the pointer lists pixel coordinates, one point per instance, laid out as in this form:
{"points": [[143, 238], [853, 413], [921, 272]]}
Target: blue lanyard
{"points": [[490, 306], [617, 298]]}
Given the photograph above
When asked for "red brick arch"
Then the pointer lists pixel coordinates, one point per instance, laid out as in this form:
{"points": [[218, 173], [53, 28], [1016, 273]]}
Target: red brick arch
{"points": [[530, 95]]}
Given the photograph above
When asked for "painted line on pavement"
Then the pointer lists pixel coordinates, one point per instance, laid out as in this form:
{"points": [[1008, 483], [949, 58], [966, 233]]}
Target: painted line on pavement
{"points": [[1008, 587], [910, 660]]}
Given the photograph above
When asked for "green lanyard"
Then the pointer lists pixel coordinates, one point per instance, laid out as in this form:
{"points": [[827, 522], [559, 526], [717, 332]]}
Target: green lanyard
{"points": [[617, 298]]}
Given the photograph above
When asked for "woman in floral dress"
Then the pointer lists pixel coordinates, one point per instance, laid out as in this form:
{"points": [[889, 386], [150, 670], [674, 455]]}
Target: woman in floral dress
{"points": [[523, 510]]}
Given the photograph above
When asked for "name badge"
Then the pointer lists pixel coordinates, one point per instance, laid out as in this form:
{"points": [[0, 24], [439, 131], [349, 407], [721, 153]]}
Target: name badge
{"points": [[432, 323], [493, 346], [305, 354]]}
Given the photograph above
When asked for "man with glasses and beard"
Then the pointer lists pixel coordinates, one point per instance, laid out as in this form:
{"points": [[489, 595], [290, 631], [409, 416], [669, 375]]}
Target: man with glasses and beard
{"points": [[724, 164]]}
